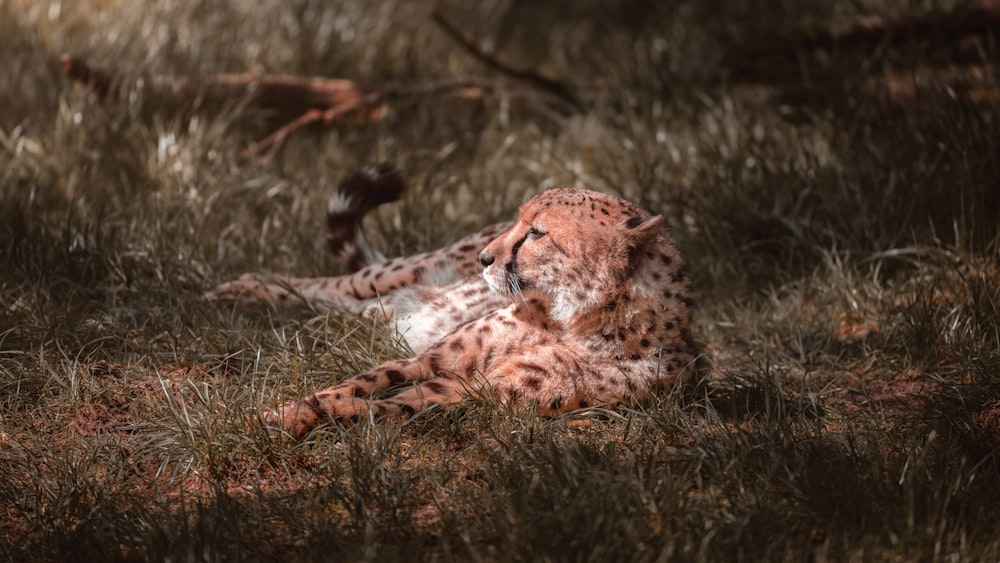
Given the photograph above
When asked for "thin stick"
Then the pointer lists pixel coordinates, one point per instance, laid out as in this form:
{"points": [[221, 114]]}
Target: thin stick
{"points": [[273, 142], [552, 86]]}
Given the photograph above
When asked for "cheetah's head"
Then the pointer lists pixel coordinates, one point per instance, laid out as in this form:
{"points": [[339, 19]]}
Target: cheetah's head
{"points": [[569, 247]]}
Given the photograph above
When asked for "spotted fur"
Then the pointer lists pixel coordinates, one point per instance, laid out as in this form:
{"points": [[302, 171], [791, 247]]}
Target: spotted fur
{"points": [[581, 302]]}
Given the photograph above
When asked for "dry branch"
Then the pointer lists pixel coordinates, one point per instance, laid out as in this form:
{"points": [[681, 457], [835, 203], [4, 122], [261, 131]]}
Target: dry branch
{"points": [[755, 54], [287, 93], [315, 99], [544, 83], [935, 26]]}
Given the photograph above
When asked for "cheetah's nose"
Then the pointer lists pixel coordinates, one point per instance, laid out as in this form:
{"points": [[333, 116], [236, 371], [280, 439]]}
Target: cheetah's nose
{"points": [[485, 259]]}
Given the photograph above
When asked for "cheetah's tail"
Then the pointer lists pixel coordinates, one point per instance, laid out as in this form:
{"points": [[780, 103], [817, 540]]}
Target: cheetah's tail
{"points": [[356, 195]]}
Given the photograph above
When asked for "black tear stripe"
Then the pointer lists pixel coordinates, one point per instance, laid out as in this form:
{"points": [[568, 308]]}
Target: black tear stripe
{"points": [[512, 265]]}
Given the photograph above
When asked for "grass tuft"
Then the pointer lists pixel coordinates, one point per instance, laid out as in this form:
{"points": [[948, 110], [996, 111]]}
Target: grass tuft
{"points": [[842, 242]]}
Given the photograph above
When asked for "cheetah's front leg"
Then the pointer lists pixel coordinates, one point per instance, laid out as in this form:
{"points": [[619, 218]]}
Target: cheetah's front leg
{"points": [[348, 400]]}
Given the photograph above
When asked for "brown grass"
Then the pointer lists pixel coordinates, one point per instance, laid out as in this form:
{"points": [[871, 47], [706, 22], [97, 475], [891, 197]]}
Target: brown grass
{"points": [[843, 245]]}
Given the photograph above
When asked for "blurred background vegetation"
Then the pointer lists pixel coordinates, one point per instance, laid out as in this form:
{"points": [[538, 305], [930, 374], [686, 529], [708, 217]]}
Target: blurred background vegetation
{"points": [[830, 171]]}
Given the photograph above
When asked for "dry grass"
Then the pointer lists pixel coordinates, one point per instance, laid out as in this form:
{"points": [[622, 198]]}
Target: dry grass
{"points": [[844, 247]]}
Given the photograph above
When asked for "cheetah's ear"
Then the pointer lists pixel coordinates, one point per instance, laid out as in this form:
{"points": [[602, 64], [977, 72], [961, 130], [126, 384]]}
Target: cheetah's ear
{"points": [[641, 230]]}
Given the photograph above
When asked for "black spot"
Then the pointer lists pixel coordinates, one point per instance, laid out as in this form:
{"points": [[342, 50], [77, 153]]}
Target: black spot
{"points": [[584, 404], [435, 387], [611, 305], [644, 343], [488, 357], [366, 377], [435, 363], [315, 406], [395, 377], [407, 410], [531, 366]]}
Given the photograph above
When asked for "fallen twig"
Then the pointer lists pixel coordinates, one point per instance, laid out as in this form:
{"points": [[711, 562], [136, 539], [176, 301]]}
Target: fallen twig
{"points": [[317, 99], [771, 54], [549, 85], [275, 140], [288, 93]]}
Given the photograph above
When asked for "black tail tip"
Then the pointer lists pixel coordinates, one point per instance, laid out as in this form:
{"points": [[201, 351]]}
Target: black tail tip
{"points": [[374, 184]]}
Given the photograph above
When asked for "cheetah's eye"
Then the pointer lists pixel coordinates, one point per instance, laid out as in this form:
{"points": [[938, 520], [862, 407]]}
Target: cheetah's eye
{"points": [[535, 232]]}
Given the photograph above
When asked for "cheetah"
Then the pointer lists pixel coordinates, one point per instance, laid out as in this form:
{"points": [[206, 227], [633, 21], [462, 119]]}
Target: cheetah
{"points": [[581, 302]]}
